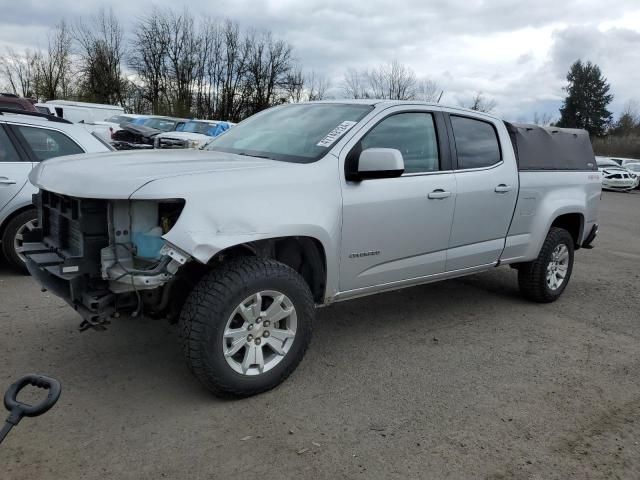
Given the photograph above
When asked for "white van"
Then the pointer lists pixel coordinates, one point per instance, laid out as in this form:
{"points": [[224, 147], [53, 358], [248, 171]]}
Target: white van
{"points": [[79, 111]]}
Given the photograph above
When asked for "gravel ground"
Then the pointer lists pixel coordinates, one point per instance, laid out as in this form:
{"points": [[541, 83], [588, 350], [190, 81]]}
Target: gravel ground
{"points": [[461, 379]]}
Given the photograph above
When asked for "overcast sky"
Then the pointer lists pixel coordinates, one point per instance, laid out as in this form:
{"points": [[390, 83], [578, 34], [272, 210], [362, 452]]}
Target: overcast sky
{"points": [[515, 52]]}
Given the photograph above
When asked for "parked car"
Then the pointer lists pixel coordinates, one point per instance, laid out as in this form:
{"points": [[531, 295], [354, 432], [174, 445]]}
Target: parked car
{"points": [[25, 141], [635, 169], [192, 134], [12, 101], [615, 177], [80, 111], [623, 162], [164, 124], [309, 204]]}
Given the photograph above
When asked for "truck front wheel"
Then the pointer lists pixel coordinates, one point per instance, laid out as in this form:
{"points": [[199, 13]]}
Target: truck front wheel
{"points": [[544, 279], [246, 326]]}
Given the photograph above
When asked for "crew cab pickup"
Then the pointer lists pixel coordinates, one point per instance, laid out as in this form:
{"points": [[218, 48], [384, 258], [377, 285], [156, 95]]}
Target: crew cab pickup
{"points": [[304, 205]]}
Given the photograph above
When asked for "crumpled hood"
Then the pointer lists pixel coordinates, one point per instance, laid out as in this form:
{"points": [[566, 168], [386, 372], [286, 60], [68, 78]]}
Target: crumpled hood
{"points": [[116, 175]]}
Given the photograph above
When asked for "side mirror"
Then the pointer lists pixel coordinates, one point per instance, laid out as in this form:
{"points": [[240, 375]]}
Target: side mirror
{"points": [[380, 163]]}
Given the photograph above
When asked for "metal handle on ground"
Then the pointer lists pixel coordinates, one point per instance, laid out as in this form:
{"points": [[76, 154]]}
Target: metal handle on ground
{"points": [[18, 409]]}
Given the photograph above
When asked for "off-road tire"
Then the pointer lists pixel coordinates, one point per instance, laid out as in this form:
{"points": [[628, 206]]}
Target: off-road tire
{"points": [[532, 275], [211, 302], [8, 237]]}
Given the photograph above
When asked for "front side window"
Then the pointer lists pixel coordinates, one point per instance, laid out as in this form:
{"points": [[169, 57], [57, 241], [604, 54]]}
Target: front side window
{"points": [[414, 134], [7, 152], [300, 133], [476, 143], [45, 143]]}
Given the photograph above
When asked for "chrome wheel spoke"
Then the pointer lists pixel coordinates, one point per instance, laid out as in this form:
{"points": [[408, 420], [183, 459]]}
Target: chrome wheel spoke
{"points": [[256, 307], [235, 347], [282, 335], [276, 346], [246, 314], [235, 333], [275, 312], [253, 356]]}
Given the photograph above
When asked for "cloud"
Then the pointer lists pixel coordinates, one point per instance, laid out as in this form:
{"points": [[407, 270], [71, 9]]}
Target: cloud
{"points": [[516, 52]]}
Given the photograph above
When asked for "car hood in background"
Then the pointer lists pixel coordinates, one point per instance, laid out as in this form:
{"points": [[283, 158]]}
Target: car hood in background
{"points": [[117, 175]]}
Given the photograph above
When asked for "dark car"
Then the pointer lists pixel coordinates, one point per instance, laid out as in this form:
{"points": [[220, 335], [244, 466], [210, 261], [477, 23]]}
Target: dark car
{"points": [[11, 100]]}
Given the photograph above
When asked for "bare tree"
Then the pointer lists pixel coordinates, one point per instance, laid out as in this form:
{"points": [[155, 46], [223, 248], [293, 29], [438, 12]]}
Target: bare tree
{"points": [[101, 51], [428, 90], [392, 81], [316, 86], [293, 86], [355, 84], [20, 72], [268, 66], [544, 120], [53, 67], [148, 57], [481, 104]]}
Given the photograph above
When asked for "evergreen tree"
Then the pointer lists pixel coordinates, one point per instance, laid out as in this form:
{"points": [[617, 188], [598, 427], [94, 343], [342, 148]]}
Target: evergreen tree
{"points": [[587, 99]]}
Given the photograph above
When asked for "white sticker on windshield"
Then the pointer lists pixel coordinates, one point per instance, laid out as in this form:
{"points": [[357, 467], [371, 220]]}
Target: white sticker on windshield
{"points": [[335, 133]]}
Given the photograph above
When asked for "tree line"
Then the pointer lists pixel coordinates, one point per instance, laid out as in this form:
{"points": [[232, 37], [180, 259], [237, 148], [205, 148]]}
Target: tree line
{"points": [[170, 64]]}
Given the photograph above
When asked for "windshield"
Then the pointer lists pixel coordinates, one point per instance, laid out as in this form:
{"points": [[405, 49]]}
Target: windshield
{"points": [[606, 163], [164, 124], [634, 167], [119, 119], [299, 133], [198, 127]]}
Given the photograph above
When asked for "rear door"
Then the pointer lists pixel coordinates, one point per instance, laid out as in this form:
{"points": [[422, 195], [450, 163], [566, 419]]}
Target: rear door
{"points": [[14, 167], [487, 189], [44, 143]]}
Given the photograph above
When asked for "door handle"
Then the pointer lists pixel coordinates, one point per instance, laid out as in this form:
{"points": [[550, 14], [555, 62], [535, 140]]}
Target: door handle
{"points": [[502, 188], [7, 181], [439, 194]]}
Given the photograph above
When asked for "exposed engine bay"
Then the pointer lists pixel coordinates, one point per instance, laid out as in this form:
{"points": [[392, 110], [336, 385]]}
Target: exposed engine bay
{"points": [[106, 256]]}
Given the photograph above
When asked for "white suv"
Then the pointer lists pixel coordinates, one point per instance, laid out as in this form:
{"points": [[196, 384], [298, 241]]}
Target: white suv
{"points": [[26, 139]]}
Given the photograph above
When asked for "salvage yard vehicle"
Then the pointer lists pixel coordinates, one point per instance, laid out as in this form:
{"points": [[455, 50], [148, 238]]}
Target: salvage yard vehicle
{"points": [[304, 205], [635, 169], [192, 134], [615, 177], [13, 101], [26, 139]]}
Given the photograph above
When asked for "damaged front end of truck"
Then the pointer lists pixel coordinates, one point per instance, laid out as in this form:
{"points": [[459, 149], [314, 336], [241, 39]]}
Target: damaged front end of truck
{"points": [[106, 257]]}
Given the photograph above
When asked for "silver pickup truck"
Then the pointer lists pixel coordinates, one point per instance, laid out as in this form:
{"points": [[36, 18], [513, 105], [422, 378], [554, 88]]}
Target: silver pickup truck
{"points": [[305, 205]]}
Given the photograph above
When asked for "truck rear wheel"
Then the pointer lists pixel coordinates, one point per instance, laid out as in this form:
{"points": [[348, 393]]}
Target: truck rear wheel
{"points": [[12, 238], [246, 326], [544, 279]]}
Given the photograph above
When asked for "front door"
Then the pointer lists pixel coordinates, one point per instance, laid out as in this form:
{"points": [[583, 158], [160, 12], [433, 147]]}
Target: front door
{"points": [[396, 229]]}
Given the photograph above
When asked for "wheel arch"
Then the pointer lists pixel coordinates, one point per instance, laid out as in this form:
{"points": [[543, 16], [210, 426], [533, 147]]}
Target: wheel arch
{"points": [[572, 223], [12, 215], [306, 255]]}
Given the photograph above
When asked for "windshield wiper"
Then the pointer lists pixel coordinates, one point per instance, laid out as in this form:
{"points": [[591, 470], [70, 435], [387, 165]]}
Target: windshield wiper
{"points": [[244, 154]]}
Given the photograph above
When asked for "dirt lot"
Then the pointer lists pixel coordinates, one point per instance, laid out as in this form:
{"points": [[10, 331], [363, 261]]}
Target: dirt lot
{"points": [[461, 379]]}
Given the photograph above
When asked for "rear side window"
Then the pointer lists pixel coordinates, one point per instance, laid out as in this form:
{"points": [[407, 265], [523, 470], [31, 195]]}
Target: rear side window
{"points": [[414, 134], [7, 151], [45, 143], [476, 143]]}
